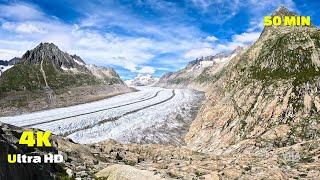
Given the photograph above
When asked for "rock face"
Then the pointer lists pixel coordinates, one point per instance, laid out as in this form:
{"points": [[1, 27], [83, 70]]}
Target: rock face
{"points": [[115, 172], [13, 61], [45, 75], [265, 98], [105, 74], [111, 159], [50, 52], [142, 80], [4, 63], [198, 72]]}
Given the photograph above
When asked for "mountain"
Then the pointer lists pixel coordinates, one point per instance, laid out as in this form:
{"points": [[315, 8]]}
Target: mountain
{"points": [[48, 73], [142, 80], [198, 71], [266, 98], [105, 74], [5, 65], [46, 66], [261, 113], [12, 61]]}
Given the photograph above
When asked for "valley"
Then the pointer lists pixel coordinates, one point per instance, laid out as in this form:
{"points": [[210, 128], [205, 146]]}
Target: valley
{"points": [[249, 113], [151, 115]]}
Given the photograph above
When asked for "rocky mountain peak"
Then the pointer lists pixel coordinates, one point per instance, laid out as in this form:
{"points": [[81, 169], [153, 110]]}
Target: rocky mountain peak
{"points": [[47, 67], [47, 45], [49, 52], [287, 52], [283, 11], [273, 86]]}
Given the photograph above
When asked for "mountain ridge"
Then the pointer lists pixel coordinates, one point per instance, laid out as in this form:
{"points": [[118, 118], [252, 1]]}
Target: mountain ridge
{"points": [[197, 74], [46, 62], [54, 78], [271, 88], [142, 80]]}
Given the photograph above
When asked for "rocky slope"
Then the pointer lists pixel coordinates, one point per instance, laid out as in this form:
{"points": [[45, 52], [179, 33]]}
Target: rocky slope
{"points": [[266, 98], [142, 80], [151, 161], [195, 75], [45, 76]]}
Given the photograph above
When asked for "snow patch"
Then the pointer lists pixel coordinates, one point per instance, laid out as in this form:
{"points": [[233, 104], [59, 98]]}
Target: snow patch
{"points": [[205, 64], [142, 80], [4, 68], [64, 68], [73, 70], [78, 62]]}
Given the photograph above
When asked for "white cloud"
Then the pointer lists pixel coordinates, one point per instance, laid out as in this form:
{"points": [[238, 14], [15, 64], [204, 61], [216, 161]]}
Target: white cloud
{"points": [[203, 4], [257, 9], [195, 53], [146, 70], [6, 54], [26, 23], [20, 11], [218, 11], [229, 46], [22, 27], [211, 38], [246, 37], [10, 48], [162, 69], [255, 25], [97, 47], [263, 6], [243, 39]]}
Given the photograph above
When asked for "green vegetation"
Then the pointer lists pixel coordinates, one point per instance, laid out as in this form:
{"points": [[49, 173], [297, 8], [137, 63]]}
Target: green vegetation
{"points": [[199, 173], [206, 77], [21, 77], [306, 129], [277, 60], [180, 80], [64, 176], [58, 79], [26, 76]]}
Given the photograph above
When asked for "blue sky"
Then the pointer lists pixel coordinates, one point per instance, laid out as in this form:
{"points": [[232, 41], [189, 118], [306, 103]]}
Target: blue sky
{"points": [[141, 36]]}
